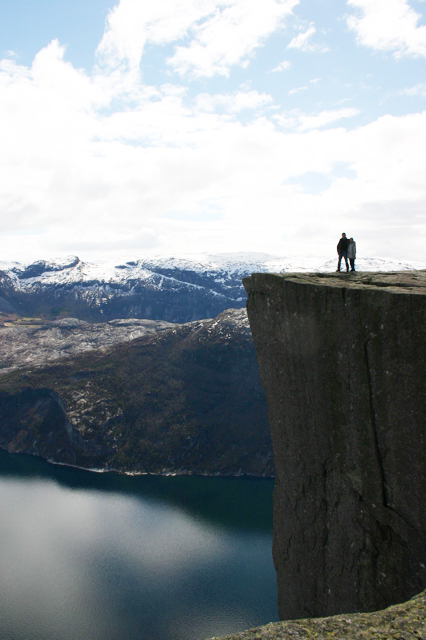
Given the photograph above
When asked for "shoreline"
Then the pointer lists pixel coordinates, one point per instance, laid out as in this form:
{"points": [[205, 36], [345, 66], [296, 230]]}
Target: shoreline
{"points": [[165, 473]]}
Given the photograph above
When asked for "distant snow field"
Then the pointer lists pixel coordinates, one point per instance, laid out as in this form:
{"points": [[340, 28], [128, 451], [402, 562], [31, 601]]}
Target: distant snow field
{"points": [[177, 289], [72, 270]]}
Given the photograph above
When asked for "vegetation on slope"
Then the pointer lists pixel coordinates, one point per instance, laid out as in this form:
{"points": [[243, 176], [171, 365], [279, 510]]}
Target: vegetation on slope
{"points": [[186, 399]]}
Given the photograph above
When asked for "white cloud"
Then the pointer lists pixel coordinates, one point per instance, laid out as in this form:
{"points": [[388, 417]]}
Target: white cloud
{"points": [[417, 90], [302, 42], [388, 25], [232, 103], [296, 90], [133, 23], [283, 66], [304, 122], [230, 36], [101, 163], [218, 33], [324, 118]]}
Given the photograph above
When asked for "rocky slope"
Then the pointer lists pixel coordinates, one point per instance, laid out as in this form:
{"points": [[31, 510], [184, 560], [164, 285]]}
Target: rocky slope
{"points": [[343, 360], [185, 399], [170, 288], [405, 621], [31, 342]]}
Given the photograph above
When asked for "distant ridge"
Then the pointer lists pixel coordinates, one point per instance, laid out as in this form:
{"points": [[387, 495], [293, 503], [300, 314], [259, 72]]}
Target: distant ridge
{"points": [[179, 288]]}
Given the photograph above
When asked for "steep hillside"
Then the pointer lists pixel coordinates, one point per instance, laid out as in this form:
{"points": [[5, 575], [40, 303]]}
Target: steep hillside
{"points": [[180, 400]]}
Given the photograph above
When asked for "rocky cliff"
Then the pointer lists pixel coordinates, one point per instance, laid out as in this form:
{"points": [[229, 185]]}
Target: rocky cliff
{"points": [[342, 359]]}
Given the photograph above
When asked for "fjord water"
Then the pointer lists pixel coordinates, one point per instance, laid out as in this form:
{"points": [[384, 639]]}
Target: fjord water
{"points": [[110, 557]]}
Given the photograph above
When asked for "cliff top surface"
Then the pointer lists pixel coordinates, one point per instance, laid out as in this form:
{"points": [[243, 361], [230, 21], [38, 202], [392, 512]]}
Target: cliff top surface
{"points": [[403, 622], [393, 282]]}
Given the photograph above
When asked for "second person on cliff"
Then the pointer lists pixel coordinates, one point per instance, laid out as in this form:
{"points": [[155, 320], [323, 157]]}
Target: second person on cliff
{"points": [[352, 253]]}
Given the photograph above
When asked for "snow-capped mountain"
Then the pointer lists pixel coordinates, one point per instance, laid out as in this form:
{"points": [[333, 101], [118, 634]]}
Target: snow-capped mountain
{"points": [[172, 288]]}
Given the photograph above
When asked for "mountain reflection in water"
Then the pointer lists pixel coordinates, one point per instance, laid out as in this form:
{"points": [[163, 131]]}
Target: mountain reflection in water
{"points": [[110, 557]]}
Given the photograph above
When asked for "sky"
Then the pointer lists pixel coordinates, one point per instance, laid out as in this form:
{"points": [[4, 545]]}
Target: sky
{"points": [[133, 127]]}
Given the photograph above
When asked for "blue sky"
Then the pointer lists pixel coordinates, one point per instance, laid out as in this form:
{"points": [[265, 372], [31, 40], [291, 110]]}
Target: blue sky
{"points": [[202, 125]]}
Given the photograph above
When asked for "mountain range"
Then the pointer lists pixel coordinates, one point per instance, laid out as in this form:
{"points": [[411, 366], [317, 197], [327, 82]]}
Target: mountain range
{"points": [[171, 288], [141, 365]]}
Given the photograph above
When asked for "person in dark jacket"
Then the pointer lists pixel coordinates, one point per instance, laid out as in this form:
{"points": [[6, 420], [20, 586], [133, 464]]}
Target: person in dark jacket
{"points": [[342, 250], [352, 253]]}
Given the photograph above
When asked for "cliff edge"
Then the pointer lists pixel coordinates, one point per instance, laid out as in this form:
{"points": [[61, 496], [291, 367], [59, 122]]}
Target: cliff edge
{"points": [[406, 621], [342, 360]]}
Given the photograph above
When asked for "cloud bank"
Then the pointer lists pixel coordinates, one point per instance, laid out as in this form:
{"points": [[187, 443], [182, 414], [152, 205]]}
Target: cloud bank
{"points": [[216, 34], [102, 163], [389, 25]]}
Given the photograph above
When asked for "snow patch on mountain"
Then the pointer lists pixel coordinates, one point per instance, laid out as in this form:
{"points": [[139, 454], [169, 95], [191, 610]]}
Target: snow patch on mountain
{"points": [[180, 288], [220, 268]]}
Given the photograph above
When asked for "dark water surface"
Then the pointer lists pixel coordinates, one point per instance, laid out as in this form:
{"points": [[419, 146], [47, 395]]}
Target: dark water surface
{"points": [[108, 557]]}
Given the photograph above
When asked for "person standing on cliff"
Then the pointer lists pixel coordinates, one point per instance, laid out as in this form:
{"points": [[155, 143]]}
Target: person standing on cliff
{"points": [[352, 253], [342, 250]]}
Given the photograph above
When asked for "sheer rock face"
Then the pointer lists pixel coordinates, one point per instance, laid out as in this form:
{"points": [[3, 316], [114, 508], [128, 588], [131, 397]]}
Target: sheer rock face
{"points": [[342, 360], [35, 422]]}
